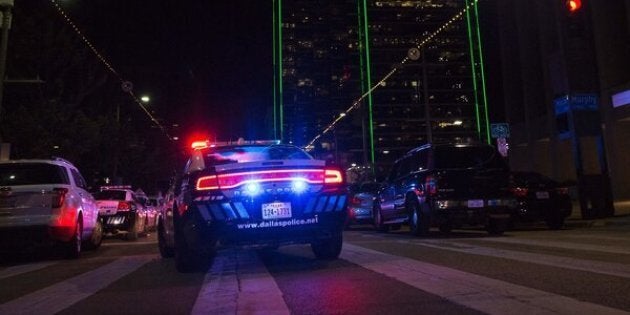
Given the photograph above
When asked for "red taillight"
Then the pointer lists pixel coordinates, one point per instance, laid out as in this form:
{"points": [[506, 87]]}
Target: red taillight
{"points": [[519, 191], [431, 186], [355, 201], [562, 190], [59, 196], [332, 176], [208, 183], [124, 206], [233, 180]]}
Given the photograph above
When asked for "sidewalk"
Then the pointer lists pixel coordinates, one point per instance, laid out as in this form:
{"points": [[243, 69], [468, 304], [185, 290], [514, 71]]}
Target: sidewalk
{"points": [[621, 217]]}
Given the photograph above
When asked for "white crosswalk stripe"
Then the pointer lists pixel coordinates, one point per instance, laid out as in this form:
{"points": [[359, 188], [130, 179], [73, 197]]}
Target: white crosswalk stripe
{"points": [[239, 283], [477, 292], [59, 296], [612, 269], [21, 269], [559, 244]]}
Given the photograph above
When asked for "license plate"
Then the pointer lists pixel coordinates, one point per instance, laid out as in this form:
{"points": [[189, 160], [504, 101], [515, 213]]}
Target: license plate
{"points": [[475, 203], [542, 195], [276, 210]]}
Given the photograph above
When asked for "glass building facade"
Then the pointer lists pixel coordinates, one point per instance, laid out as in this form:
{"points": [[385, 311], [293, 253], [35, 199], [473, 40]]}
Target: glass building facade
{"points": [[333, 51]]}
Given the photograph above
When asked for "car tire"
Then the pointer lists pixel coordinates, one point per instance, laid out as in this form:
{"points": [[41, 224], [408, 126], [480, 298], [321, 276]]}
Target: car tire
{"points": [[378, 219], [132, 234], [165, 250], [496, 227], [419, 221], [96, 239], [328, 249], [73, 247]]}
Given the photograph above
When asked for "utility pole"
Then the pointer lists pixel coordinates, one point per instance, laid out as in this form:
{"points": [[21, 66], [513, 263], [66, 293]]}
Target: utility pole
{"points": [[5, 6]]}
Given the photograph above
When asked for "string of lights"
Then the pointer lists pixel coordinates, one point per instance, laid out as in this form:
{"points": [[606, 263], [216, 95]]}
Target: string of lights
{"points": [[395, 68], [109, 67]]}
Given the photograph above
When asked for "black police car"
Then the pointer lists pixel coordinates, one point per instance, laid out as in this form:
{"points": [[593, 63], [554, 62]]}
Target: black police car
{"points": [[253, 193], [446, 185]]}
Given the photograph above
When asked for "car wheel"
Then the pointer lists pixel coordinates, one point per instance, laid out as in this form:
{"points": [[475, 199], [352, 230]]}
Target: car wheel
{"points": [[96, 239], [419, 221], [496, 227], [378, 219], [186, 258], [165, 250], [73, 247], [328, 249], [132, 234]]}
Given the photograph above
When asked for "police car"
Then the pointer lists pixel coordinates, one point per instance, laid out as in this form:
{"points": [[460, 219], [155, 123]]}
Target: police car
{"points": [[252, 193]]}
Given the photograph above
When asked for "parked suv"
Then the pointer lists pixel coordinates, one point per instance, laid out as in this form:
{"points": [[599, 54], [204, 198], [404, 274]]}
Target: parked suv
{"points": [[255, 194], [46, 202], [446, 185]]}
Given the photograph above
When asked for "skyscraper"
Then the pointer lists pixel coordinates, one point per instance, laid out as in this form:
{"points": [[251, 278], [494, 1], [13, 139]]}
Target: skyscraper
{"points": [[342, 48]]}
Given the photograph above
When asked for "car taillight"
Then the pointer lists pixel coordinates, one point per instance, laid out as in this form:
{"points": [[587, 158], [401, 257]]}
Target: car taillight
{"points": [[562, 190], [207, 183], [124, 206], [355, 201], [333, 176], [519, 191], [431, 185], [59, 196]]}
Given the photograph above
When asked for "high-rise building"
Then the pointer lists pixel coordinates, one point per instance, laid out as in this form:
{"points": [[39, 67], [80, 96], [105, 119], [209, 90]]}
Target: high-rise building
{"points": [[567, 94], [330, 52]]}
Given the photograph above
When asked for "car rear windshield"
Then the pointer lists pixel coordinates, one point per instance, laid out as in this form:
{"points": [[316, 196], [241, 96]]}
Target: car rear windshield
{"points": [[110, 195], [15, 174], [242, 154], [468, 157]]}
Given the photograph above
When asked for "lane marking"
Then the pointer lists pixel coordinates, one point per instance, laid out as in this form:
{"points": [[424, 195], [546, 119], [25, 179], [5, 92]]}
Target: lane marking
{"points": [[600, 267], [20, 269], [487, 295], [59, 296], [239, 283], [556, 244]]}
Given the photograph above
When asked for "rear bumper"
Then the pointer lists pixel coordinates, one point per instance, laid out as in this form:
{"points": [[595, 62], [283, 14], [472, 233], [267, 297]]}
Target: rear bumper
{"points": [[473, 212], [118, 222], [17, 238], [238, 222]]}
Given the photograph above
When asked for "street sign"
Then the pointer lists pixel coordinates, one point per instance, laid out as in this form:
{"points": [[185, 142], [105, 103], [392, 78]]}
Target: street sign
{"points": [[501, 130]]}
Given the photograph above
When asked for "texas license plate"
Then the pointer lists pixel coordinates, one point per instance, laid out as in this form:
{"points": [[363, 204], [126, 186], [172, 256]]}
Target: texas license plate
{"points": [[276, 210], [475, 203], [542, 195]]}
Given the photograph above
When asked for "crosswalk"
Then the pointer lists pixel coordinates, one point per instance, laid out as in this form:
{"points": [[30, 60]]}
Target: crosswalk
{"points": [[240, 282]]}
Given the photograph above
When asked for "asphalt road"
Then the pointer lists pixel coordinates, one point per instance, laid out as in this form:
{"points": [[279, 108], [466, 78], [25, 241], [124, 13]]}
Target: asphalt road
{"points": [[527, 271]]}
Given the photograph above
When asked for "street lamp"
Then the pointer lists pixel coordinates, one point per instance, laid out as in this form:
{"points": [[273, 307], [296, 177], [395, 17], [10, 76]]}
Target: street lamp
{"points": [[145, 99]]}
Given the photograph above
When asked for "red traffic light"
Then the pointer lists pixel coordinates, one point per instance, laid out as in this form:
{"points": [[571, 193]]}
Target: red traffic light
{"points": [[574, 5]]}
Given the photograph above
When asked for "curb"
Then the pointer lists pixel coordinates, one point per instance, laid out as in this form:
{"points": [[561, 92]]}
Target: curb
{"points": [[613, 221]]}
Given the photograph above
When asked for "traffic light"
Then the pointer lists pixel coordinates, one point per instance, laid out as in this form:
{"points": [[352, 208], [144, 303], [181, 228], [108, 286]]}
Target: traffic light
{"points": [[574, 6]]}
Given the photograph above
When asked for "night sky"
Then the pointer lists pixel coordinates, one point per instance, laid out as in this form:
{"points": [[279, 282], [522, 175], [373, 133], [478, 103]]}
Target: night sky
{"points": [[207, 65]]}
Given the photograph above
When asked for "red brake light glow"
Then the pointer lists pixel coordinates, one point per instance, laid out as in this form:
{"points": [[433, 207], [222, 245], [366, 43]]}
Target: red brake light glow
{"points": [[519, 191], [562, 190], [124, 206], [233, 180], [198, 145]]}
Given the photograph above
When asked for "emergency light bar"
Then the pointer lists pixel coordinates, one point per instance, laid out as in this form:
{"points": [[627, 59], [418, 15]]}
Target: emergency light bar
{"points": [[198, 145]]}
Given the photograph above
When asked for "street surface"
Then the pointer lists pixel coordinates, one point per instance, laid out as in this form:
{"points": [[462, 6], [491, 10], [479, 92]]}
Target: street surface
{"points": [[526, 271]]}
